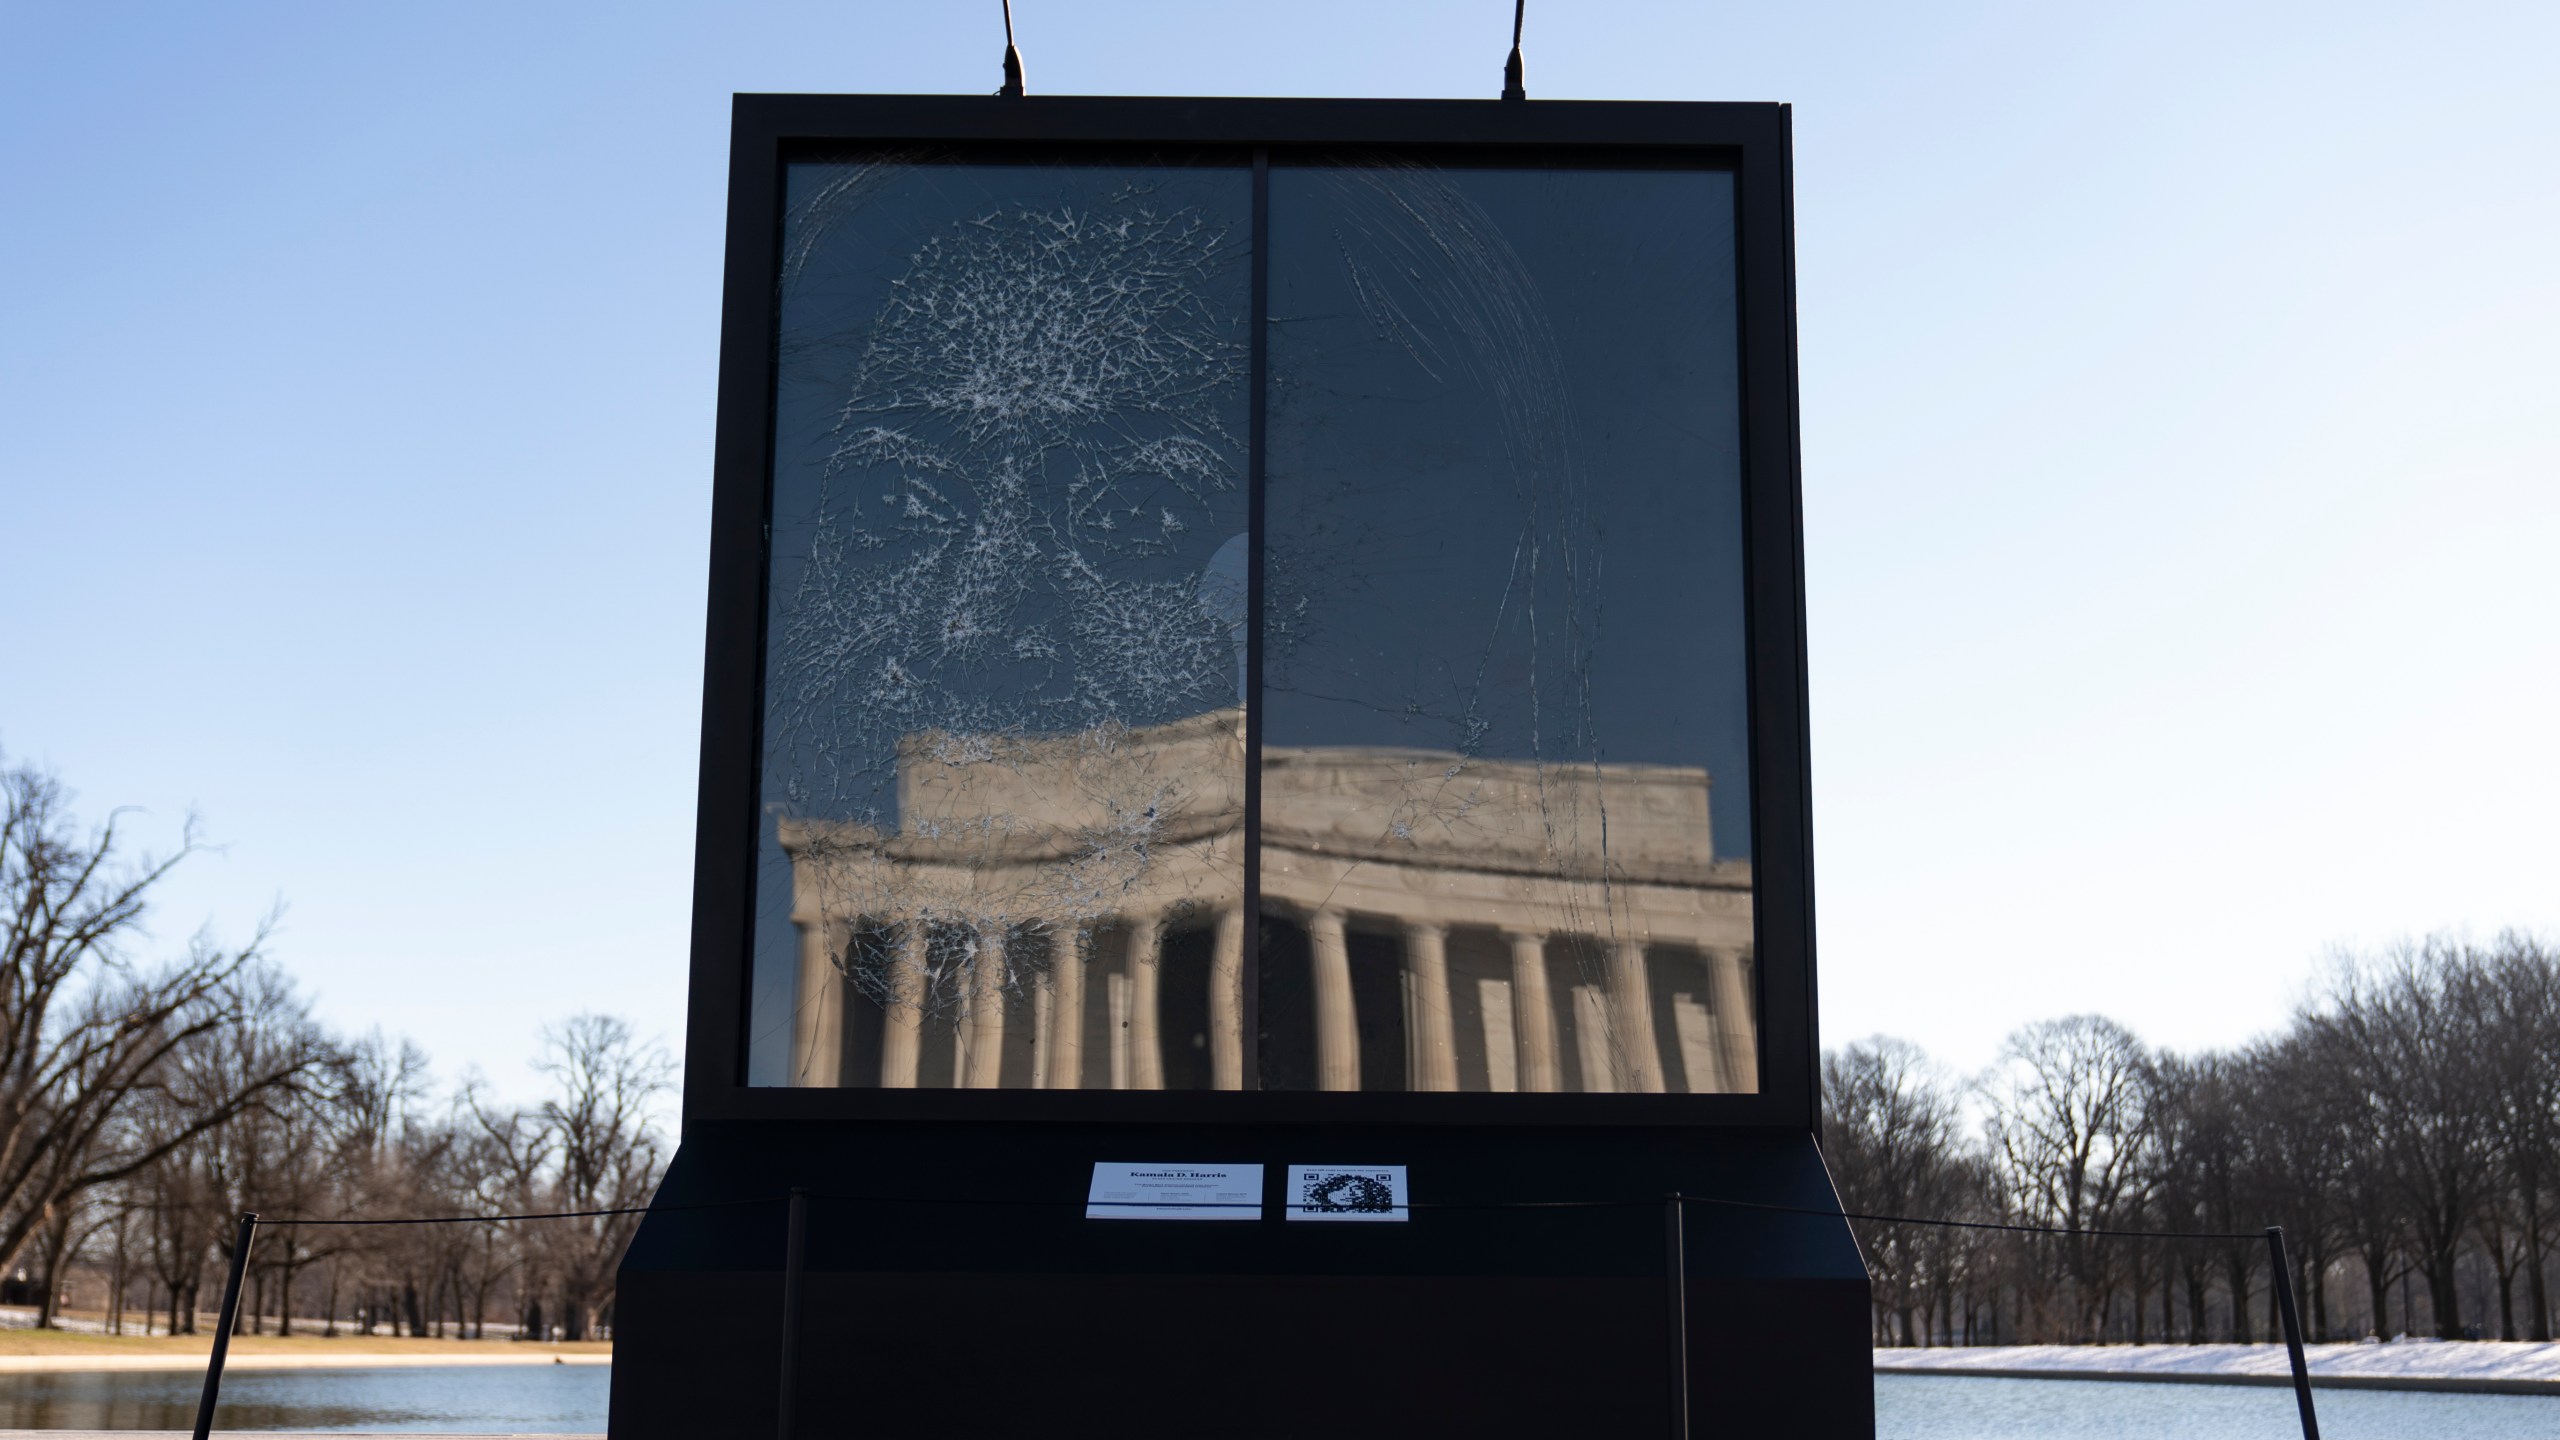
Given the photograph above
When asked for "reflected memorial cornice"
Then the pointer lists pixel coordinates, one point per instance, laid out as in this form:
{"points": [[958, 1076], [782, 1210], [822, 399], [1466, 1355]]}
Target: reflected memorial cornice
{"points": [[1100, 843]]}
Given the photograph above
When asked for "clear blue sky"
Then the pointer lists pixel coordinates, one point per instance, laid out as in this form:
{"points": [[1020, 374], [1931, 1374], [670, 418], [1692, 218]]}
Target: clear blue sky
{"points": [[2182, 423]]}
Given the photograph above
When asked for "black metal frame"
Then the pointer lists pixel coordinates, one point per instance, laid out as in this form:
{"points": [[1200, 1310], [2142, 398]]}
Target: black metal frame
{"points": [[1752, 140]]}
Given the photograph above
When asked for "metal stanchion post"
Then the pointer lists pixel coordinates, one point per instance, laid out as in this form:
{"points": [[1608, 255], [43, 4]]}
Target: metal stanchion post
{"points": [[230, 1317], [792, 1242], [1676, 1266], [2283, 1282]]}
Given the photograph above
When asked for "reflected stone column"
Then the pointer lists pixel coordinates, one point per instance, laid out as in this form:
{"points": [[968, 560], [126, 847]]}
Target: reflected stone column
{"points": [[1591, 1027], [1631, 995], [1533, 1011], [1337, 1025], [902, 1027], [1146, 976], [1435, 1047], [1226, 1002], [1066, 1014], [817, 1009], [1734, 1018], [984, 1068], [1043, 1028]]}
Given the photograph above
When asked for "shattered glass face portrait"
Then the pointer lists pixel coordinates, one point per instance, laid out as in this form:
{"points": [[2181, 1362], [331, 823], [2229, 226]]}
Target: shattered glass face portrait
{"points": [[1005, 646], [1016, 831]]}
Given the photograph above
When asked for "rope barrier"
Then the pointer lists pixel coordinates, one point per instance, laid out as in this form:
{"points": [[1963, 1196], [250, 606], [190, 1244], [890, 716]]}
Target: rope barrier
{"points": [[1675, 1207], [509, 1219], [1990, 1224], [1256, 1205]]}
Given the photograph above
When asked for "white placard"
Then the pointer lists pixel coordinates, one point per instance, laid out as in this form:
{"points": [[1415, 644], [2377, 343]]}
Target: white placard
{"points": [[1347, 1192], [1174, 1192]]}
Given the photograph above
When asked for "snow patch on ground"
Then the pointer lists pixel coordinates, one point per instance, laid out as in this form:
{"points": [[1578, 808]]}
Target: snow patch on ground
{"points": [[2399, 1360]]}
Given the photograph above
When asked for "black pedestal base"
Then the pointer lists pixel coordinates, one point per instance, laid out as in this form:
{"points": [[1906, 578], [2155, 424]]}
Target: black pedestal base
{"points": [[921, 1318]]}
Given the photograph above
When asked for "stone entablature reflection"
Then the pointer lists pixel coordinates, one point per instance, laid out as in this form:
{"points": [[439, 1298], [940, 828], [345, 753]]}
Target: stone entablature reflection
{"points": [[1067, 912]]}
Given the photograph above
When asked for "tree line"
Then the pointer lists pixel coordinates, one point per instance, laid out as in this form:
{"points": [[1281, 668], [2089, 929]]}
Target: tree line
{"points": [[145, 1103], [2403, 1127]]}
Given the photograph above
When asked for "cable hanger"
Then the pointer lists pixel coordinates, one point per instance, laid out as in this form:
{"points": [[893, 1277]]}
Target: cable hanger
{"points": [[1012, 58]]}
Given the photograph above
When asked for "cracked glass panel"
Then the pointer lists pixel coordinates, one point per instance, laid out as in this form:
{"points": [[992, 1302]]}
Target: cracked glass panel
{"points": [[1002, 788], [1506, 840]]}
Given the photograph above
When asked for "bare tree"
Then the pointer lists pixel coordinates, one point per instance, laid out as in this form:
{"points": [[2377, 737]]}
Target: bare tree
{"points": [[2406, 1123], [2071, 1127], [2523, 1055], [2301, 1142], [176, 1193], [2208, 1167], [511, 1149], [489, 1181], [1890, 1136], [2407, 1030], [83, 1027], [605, 1154]]}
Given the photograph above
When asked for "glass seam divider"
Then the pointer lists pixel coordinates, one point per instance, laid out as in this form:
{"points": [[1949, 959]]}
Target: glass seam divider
{"points": [[1257, 386]]}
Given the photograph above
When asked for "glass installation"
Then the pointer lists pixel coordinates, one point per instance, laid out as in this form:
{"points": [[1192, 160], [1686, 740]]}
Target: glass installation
{"points": [[1043, 805]]}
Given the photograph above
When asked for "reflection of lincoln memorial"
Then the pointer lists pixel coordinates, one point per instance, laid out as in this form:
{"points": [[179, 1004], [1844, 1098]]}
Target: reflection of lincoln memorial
{"points": [[1068, 913]]}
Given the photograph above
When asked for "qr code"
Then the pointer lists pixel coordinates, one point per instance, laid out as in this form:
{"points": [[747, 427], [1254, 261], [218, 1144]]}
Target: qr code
{"points": [[1344, 1192]]}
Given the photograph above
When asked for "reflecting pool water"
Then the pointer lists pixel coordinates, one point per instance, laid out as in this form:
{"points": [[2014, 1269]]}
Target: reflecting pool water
{"points": [[511, 1399], [1967, 1407], [570, 1399]]}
